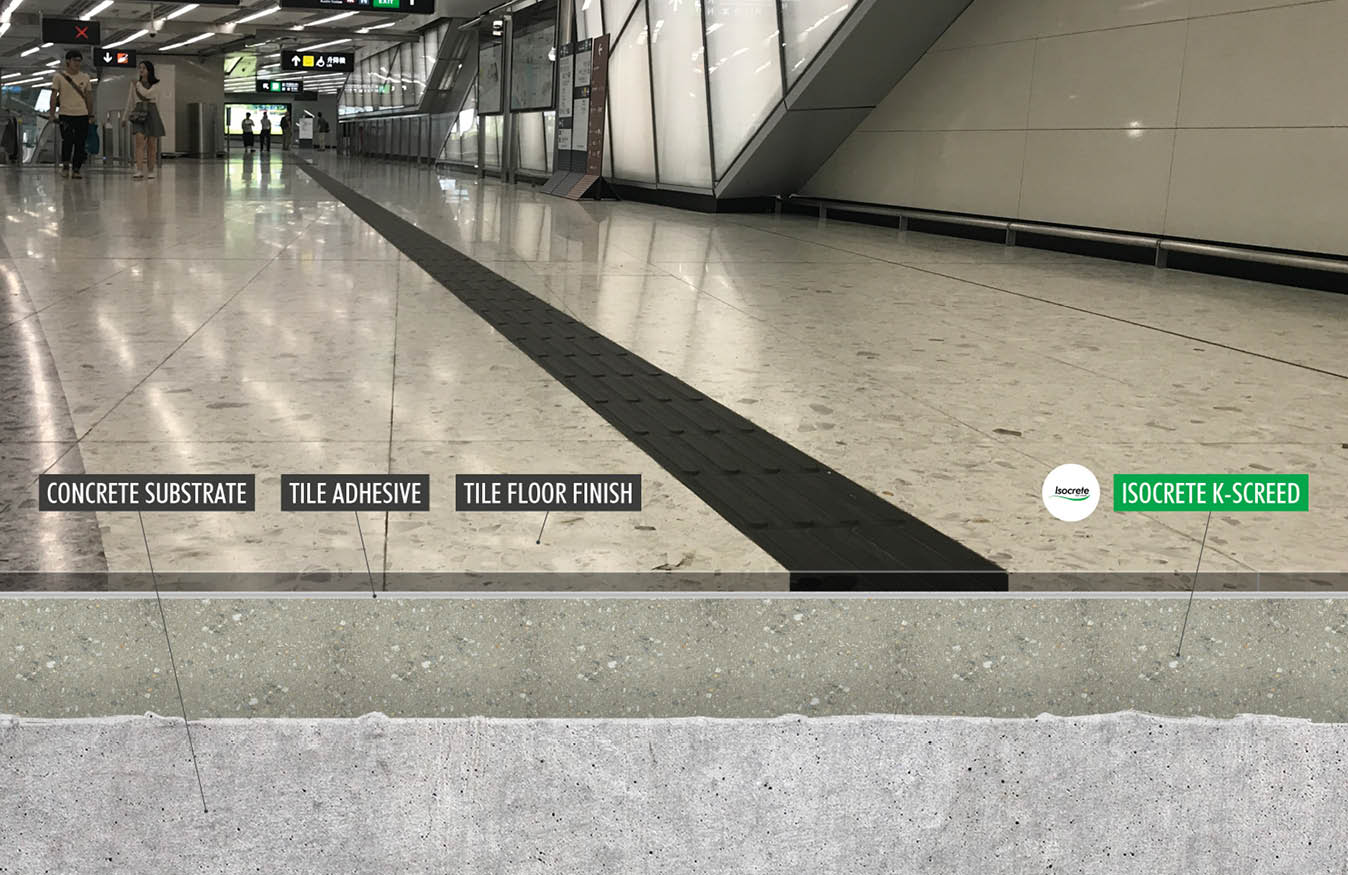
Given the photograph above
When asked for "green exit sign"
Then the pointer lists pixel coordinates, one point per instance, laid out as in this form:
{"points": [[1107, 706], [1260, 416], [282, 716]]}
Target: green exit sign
{"points": [[386, 4]]}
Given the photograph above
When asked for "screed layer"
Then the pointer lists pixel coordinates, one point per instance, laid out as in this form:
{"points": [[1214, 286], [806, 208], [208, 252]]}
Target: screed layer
{"points": [[742, 657]]}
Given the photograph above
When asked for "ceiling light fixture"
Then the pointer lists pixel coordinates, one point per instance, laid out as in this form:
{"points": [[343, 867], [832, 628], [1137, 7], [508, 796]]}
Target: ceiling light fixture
{"points": [[187, 42], [331, 18], [325, 45], [256, 15], [121, 42], [26, 52], [181, 11], [97, 9]]}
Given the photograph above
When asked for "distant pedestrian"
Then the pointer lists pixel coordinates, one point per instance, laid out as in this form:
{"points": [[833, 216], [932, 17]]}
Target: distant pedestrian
{"points": [[285, 132], [266, 132], [321, 132], [73, 107], [142, 113], [247, 127]]}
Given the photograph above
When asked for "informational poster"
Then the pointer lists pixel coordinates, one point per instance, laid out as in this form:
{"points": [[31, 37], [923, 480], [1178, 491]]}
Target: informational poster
{"points": [[489, 76], [307, 128], [580, 119], [580, 96], [532, 47], [565, 79]]}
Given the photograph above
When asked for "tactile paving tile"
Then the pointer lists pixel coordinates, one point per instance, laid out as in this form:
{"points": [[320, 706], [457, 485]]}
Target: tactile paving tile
{"points": [[828, 531]]}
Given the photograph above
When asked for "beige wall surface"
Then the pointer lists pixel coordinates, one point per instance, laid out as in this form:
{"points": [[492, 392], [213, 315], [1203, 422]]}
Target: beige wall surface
{"points": [[1213, 119]]}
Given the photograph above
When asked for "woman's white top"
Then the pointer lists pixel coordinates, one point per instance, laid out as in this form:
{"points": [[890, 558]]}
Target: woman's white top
{"points": [[139, 92]]}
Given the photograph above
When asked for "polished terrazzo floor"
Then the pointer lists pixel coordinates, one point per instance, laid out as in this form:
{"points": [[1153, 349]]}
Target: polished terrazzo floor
{"points": [[234, 317]]}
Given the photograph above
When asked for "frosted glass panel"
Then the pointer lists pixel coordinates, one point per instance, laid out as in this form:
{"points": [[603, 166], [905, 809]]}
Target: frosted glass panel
{"points": [[608, 149], [532, 141], [404, 81], [680, 93], [491, 141], [616, 13], [745, 70], [629, 106], [589, 19], [549, 137], [808, 25], [419, 67]]}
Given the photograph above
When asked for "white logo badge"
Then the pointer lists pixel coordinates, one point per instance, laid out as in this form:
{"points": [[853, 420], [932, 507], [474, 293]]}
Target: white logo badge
{"points": [[1071, 492]]}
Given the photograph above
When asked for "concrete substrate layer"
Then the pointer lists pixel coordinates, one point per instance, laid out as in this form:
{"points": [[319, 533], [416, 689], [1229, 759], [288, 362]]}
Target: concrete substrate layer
{"points": [[674, 657], [1123, 793]]}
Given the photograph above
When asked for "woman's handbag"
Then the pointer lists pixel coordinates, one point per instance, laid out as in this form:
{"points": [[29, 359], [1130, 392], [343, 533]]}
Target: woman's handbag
{"points": [[141, 113]]}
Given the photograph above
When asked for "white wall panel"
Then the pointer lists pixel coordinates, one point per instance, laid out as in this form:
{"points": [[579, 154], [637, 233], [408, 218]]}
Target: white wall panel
{"points": [[995, 21], [806, 26], [1279, 188], [980, 88], [629, 100], [893, 150], [1279, 67], [1219, 7], [1077, 16], [968, 171], [1099, 179], [1122, 78], [1210, 119], [680, 85], [745, 70]]}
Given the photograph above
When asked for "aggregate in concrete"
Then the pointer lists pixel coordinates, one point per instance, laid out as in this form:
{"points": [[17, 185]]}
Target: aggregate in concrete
{"points": [[1117, 794], [619, 657]]}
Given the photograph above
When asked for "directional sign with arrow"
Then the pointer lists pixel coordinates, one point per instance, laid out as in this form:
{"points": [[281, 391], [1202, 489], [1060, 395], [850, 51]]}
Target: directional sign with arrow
{"points": [[337, 62], [114, 58]]}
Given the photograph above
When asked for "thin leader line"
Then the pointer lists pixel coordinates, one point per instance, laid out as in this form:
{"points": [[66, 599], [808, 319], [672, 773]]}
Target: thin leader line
{"points": [[163, 619]]}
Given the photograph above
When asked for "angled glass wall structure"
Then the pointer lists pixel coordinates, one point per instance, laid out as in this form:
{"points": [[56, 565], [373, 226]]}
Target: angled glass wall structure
{"points": [[806, 26], [393, 78], [690, 81], [744, 67]]}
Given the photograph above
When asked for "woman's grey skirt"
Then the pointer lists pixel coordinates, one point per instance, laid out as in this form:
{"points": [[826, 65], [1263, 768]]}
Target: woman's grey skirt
{"points": [[153, 126]]}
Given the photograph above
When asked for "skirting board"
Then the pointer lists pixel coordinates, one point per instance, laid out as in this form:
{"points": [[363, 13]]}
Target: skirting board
{"points": [[1121, 793]]}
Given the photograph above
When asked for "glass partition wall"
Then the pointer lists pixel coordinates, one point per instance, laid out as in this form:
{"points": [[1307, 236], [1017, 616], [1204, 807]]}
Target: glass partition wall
{"points": [[690, 82], [394, 78]]}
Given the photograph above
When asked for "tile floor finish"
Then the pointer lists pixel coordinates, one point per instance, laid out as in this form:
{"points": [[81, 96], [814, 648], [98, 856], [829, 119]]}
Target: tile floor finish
{"points": [[234, 316]]}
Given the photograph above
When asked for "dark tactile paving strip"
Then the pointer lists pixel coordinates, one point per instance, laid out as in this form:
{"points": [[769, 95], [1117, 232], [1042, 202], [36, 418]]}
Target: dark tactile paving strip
{"points": [[829, 532]]}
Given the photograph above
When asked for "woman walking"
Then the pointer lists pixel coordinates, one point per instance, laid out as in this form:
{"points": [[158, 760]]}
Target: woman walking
{"points": [[142, 112]]}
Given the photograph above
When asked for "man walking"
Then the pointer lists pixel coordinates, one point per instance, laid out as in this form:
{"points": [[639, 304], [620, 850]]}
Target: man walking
{"points": [[266, 132], [74, 109], [285, 132], [321, 132]]}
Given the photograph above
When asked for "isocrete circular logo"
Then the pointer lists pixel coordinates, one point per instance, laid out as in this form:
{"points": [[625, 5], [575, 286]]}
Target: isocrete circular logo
{"points": [[1071, 492]]}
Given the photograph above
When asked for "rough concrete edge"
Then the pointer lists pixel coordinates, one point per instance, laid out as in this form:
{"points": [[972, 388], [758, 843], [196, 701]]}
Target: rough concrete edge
{"points": [[10, 721]]}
